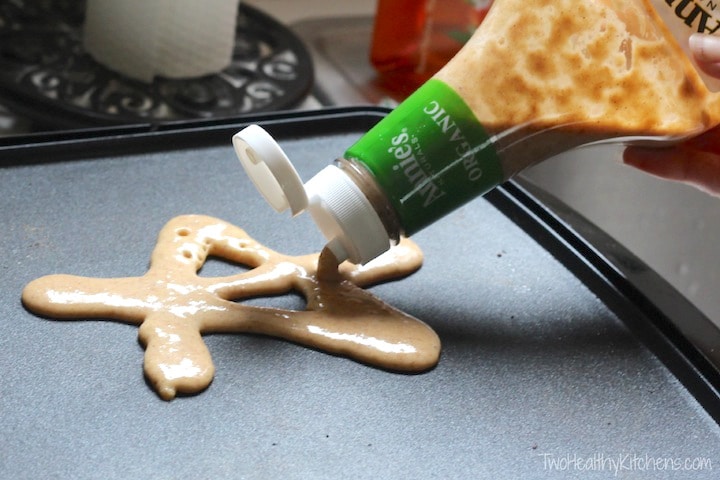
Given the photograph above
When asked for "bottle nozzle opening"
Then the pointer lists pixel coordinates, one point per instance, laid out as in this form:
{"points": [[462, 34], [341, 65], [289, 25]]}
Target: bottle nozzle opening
{"points": [[337, 248], [345, 216]]}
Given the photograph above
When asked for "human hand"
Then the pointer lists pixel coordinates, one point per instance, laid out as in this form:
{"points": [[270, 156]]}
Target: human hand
{"points": [[696, 161]]}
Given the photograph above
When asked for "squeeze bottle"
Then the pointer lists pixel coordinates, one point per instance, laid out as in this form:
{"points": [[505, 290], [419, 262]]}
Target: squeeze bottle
{"points": [[537, 78]]}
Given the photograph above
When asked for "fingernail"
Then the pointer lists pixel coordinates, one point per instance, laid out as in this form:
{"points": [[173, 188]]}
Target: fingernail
{"points": [[705, 47]]}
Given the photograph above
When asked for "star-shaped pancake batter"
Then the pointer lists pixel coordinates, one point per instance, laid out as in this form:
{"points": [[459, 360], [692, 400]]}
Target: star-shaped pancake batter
{"points": [[174, 306]]}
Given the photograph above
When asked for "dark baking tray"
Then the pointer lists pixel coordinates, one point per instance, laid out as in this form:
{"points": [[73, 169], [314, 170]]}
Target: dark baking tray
{"points": [[563, 355]]}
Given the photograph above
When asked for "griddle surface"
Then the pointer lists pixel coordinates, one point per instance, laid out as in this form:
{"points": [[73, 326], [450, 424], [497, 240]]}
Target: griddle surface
{"points": [[535, 367]]}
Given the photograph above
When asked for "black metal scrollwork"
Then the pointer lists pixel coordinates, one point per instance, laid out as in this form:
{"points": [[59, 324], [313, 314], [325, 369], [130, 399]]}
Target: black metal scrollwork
{"points": [[46, 75]]}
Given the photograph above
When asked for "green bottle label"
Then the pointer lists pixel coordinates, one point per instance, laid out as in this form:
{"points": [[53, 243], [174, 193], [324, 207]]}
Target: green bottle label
{"points": [[430, 155]]}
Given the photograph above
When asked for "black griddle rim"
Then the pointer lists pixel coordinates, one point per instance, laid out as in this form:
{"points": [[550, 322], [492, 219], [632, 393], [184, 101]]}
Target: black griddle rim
{"points": [[681, 336], [89, 143]]}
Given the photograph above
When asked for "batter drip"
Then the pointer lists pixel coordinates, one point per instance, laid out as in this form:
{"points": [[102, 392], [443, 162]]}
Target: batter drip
{"points": [[174, 306]]}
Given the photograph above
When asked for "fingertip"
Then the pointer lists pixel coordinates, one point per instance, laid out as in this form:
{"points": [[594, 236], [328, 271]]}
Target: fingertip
{"points": [[705, 48], [637, 156], [695, 41]]}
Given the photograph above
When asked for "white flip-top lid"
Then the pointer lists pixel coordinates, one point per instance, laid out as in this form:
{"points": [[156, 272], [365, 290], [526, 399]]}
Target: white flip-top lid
{"points": [[339, 208], [270, 169]]}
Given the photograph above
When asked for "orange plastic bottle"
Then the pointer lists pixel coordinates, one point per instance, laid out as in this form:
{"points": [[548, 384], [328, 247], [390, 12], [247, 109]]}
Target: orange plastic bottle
{"points": [[413, 39]]}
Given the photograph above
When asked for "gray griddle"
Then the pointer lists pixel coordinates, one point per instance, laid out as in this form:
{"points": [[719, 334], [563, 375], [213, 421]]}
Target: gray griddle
{"points": [[561, 351]]}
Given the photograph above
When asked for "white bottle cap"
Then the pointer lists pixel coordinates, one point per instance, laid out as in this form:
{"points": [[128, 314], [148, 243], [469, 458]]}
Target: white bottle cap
{"points": [[339, 208], [270, 170]]}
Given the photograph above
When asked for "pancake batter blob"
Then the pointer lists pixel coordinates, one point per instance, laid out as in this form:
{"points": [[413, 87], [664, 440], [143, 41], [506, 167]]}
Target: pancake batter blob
{"points": [[174, 306]]}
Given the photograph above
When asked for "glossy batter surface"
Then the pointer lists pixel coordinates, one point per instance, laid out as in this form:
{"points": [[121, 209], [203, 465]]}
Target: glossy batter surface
{"points": [[174, 306]]}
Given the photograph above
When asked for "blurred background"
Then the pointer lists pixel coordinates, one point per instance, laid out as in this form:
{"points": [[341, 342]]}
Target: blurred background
{"points": [[308, 54]]}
